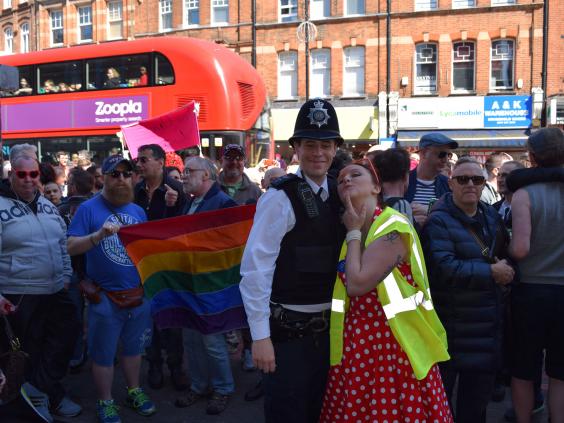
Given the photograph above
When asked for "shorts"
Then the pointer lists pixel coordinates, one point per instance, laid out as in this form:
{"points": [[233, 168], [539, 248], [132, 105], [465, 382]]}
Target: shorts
{"points": [[108, 324], [537, 324]]}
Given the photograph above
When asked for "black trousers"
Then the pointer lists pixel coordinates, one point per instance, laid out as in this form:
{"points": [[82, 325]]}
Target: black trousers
{"points": [[473, 394], [171, 341], [294, 392], [47, 327]]}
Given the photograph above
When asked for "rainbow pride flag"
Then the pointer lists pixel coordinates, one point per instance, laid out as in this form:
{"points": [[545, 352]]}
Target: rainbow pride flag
{"points": [[189, 267]]}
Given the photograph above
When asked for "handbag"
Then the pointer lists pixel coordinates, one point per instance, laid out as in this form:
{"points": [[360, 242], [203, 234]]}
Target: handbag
{"points": [[127, 298], [13, 363]]}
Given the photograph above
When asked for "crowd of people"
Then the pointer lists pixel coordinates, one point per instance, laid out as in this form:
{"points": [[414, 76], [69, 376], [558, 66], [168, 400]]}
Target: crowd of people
{"points": [[393, 288]]}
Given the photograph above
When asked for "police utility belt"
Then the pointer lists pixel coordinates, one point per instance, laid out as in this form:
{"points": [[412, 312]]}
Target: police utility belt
{"points": [[286, 325]]}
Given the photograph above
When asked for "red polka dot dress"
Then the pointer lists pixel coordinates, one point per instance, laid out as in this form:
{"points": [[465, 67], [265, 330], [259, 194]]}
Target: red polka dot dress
{"points": [[374, 381]]}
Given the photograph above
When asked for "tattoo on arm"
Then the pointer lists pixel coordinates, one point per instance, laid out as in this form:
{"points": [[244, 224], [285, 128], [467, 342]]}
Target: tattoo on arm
{"points": [[390, 268], [392, 236]]}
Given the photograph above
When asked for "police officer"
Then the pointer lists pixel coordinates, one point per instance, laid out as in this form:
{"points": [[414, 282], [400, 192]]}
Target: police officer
{"points": [[288, 271]]}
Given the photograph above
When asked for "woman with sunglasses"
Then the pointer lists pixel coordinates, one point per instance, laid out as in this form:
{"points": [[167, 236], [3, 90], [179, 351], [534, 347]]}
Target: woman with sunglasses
{"points": [[465, 244], [385, 336], [34, 269]]}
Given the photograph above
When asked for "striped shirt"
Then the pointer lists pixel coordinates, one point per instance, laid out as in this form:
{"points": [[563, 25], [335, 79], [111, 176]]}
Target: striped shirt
{"points": [[424, 192]]}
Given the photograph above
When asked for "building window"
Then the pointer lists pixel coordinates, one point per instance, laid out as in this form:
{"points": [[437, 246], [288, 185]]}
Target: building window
{"points": [[320, 73], [165, 7], [318, 9], [288, 75], [463, 66], [192, 8], [220, 12], [502, 2], [24, 47], [8, 40], [7, 4], [288, 10], [354, 7], [115, 20], [502, 65], [425, 81], [461, 4], [353, 73], [421, 5], [85, 23], [56, 27]]}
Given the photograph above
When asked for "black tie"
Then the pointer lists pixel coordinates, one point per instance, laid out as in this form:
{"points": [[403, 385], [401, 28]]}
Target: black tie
{"points": [[319, 193]]}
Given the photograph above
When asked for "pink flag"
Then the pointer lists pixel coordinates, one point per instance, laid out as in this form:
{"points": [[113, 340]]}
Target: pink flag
{"points": [[172, 131]]}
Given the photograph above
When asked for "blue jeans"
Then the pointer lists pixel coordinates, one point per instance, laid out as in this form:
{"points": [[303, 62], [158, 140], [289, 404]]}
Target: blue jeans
{"points": [[76, 297], [208, 363]]}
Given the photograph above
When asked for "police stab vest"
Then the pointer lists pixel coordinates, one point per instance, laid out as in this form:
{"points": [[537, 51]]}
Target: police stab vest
{"points": [[408, 309]]}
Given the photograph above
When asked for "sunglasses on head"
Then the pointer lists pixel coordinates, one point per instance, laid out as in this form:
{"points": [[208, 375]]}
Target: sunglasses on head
{"points": [[367, 164], [22, 174], [116, 174], [464, 179]]}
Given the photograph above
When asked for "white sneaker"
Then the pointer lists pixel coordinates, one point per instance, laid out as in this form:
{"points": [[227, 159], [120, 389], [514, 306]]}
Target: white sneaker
{"points": [[37, 400], [67, 408]]}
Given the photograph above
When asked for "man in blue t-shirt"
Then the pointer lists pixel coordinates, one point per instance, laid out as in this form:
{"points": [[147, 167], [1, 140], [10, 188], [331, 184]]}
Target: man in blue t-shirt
{"points": [[93, 232]]}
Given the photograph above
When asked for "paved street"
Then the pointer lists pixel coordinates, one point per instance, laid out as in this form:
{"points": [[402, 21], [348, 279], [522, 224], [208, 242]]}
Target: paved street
{"points": [[239, 411]]}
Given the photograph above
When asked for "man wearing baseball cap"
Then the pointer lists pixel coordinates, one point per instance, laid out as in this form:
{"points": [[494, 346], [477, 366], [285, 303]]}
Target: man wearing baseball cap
{"points": [[232, 177], [93, 232], [426, 183], [288, 271]]}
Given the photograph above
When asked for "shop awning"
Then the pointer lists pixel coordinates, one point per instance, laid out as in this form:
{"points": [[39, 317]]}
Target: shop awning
{"points": [[484, 138]]}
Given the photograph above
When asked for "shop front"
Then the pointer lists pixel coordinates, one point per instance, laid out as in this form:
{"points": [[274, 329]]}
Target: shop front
{"points": [[480, 125]]}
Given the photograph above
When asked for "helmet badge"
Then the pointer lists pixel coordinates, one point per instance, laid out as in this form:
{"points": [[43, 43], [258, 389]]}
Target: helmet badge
{"points": [[318, 115]]}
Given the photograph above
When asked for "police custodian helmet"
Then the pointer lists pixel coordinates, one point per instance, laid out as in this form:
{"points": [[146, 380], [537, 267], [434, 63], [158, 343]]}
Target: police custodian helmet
{"points": [[317, 120]]}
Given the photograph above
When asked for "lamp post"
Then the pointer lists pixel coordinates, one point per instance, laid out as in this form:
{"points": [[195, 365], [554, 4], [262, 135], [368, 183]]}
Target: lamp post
{"points": [[306, 32]]}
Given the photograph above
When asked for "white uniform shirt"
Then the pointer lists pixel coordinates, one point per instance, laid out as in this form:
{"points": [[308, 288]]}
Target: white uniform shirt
{"points": [[274, 218]]}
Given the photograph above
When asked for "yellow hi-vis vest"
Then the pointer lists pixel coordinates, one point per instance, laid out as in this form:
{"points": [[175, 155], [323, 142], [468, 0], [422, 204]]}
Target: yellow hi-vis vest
{"points": [[408, 309]]}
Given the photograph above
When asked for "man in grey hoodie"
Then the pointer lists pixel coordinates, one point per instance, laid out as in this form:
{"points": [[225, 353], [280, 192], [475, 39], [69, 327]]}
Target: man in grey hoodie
{"points": [[34, 270]]}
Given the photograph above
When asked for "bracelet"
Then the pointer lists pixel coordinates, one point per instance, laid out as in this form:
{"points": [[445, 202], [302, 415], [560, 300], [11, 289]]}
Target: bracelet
{"points": [[91, 238], [354, 234]]}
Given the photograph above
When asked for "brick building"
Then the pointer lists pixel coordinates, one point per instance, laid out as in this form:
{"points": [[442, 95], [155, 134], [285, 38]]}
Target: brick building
{"points": [[470, 67]]}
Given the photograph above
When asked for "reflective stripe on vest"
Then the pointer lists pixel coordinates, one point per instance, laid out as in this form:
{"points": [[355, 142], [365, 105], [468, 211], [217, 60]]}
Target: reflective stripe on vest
{"points": [[398, 303]]}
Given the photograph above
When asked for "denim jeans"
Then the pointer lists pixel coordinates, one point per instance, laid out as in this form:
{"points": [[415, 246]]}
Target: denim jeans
{"points": [[76, 297], [208, 363]]}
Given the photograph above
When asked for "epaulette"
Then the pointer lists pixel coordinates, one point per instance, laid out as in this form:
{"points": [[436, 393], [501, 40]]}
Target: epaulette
{"points": [[280, 182]]}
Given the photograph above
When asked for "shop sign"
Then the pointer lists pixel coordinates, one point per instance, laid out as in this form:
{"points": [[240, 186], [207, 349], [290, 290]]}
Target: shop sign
{"points": [[513, 111]]}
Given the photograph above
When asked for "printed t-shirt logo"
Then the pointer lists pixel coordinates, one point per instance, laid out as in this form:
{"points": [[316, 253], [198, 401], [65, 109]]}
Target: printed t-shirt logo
{"points": [[112, 246]]}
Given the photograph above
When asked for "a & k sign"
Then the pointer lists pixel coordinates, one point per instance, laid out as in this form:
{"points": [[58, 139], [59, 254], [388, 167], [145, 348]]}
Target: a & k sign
{"points": [[507, 111]]}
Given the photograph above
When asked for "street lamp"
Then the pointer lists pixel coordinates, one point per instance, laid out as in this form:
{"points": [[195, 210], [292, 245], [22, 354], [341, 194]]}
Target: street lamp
{"points": [[306, 32]]}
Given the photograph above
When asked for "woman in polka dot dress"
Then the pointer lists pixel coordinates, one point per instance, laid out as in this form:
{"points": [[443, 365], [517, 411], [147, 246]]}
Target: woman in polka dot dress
{"points": [[375, 381]]}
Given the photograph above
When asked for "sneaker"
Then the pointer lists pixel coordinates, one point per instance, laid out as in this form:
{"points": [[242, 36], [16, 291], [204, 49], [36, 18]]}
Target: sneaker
{"points": [[247, 361], [107, 411], [217, 403], [140, 402], [67, 408], [190, 398], [37, 400]]}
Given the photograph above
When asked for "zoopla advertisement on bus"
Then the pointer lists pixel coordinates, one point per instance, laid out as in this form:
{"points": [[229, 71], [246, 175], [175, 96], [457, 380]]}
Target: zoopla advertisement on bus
{"points": [[71, 114], [509, 111], [111, 111]]}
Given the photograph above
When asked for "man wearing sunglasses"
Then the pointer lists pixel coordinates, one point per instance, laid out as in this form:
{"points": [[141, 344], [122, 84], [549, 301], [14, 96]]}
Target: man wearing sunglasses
{"points": [[34, 269], [232, 177], [465, 245], [93, 232], [426, 183]]}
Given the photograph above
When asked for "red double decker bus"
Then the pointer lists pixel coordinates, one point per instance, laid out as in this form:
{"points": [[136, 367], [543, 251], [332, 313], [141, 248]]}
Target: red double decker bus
{"points": [[77, 98]]}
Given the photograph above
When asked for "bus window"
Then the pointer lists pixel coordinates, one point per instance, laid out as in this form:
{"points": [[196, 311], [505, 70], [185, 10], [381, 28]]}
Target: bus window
{"points": [[59, 77], [117, 72], [165, 73], [26, 81]]}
